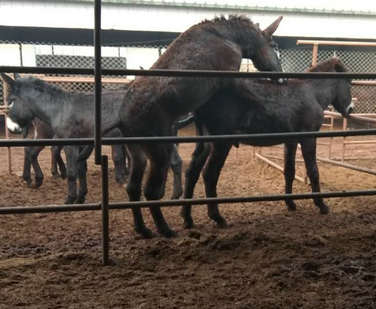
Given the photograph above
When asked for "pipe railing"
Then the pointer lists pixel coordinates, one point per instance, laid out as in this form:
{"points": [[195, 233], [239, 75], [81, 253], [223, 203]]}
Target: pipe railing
{"points": [[184, 139], [189, 73]]}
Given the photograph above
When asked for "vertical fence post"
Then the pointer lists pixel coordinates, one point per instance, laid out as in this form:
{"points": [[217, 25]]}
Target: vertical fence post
{"points": [[105, 214], [5, 93], [315, 53], [98, 83]]}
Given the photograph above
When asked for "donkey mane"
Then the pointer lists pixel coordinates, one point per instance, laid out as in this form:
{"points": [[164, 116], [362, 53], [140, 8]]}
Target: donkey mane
{"points": [[40, 85], [333, 64], [235, 20], [231, 18]]}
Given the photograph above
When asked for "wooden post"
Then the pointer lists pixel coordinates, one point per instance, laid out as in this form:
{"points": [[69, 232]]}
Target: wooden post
{"points": [[331, 138], [344, 127], [315, 52]]}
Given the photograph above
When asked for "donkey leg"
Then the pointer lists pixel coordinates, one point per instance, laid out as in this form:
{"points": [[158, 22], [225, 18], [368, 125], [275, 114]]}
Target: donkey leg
{"points": [[160, 156], [82, 173], [127, 161], [71, 153], [192, 174], [289, 172], [57, 154], [34, 153], [118, 156], [211, 174], [137, 169], [54, 171], [309, 155], [26, 175], [176, 164]]}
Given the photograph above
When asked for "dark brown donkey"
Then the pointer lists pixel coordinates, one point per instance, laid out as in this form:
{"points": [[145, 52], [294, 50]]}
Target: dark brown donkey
{"points": [[258, 106], [152, 104]]}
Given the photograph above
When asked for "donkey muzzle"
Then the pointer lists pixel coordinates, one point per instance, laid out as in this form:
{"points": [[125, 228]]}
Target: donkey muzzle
{"points": [[13, 127], [350, 108]]}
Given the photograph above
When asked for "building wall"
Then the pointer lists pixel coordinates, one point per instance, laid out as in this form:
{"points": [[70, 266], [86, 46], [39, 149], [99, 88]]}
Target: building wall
{"points": [[305, 18]]}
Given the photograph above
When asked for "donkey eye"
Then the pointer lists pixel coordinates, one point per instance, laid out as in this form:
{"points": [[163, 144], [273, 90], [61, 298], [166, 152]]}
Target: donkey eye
{"points": [[10, 103]]}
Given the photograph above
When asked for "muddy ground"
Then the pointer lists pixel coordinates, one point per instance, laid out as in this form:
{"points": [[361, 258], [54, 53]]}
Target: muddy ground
{"points": [[266, 258]]}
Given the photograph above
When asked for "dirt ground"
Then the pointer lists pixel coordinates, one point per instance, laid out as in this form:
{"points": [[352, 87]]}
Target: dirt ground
{"points": [[266, 258]]}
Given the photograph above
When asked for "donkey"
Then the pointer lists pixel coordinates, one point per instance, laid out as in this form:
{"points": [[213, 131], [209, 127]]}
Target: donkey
{"points": [[259, 106], [152, 104], [70, 115]]}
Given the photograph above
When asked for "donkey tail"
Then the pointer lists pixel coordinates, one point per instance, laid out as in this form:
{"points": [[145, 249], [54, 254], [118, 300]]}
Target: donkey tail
{"points": [[85, 152]]}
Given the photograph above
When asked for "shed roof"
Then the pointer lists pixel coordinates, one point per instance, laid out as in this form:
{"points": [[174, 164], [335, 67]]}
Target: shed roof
{"points": [[292, 6]]}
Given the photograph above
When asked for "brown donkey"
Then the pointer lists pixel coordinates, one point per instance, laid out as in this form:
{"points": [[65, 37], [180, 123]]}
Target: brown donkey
{"points": [[152, 104]]}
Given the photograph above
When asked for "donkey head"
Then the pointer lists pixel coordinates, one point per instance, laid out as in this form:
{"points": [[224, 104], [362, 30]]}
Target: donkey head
{"points": [[343, 99], [19, 111], [267, 57]]}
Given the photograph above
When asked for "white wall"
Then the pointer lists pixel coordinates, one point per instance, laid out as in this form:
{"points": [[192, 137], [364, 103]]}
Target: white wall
{"points": [[124, 17], [9, 54]]}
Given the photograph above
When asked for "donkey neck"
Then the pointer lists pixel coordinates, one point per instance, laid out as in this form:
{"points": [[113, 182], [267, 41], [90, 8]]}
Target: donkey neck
{"points": [[45, 106], [233, 31], [324, 91]]}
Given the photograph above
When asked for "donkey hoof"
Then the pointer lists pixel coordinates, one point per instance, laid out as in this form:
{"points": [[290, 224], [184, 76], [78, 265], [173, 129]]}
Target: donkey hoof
{"points": [[69, 200], [144, 232], [80, 200], [291, 206], [63, 174], [28, 181], [324, 210], [188, 223], [121, 180], [38, 182], [167, 232], [219, 220], [176, 196], [221, 223]]}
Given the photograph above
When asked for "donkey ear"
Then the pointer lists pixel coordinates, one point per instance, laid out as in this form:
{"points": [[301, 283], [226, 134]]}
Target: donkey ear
{"points": [[7, 79], [272, 27], [339, 67]]}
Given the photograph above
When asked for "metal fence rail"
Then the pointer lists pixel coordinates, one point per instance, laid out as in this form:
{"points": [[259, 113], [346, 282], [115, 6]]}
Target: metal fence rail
{"points": [[190, 73], [104, 204]]}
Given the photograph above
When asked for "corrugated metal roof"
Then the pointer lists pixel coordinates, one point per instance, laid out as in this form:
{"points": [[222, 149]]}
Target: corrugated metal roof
{"points": [[224, 5]]}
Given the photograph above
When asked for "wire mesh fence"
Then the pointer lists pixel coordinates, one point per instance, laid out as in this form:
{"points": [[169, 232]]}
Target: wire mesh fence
{"points": [[294, 59], [356, 60]]}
